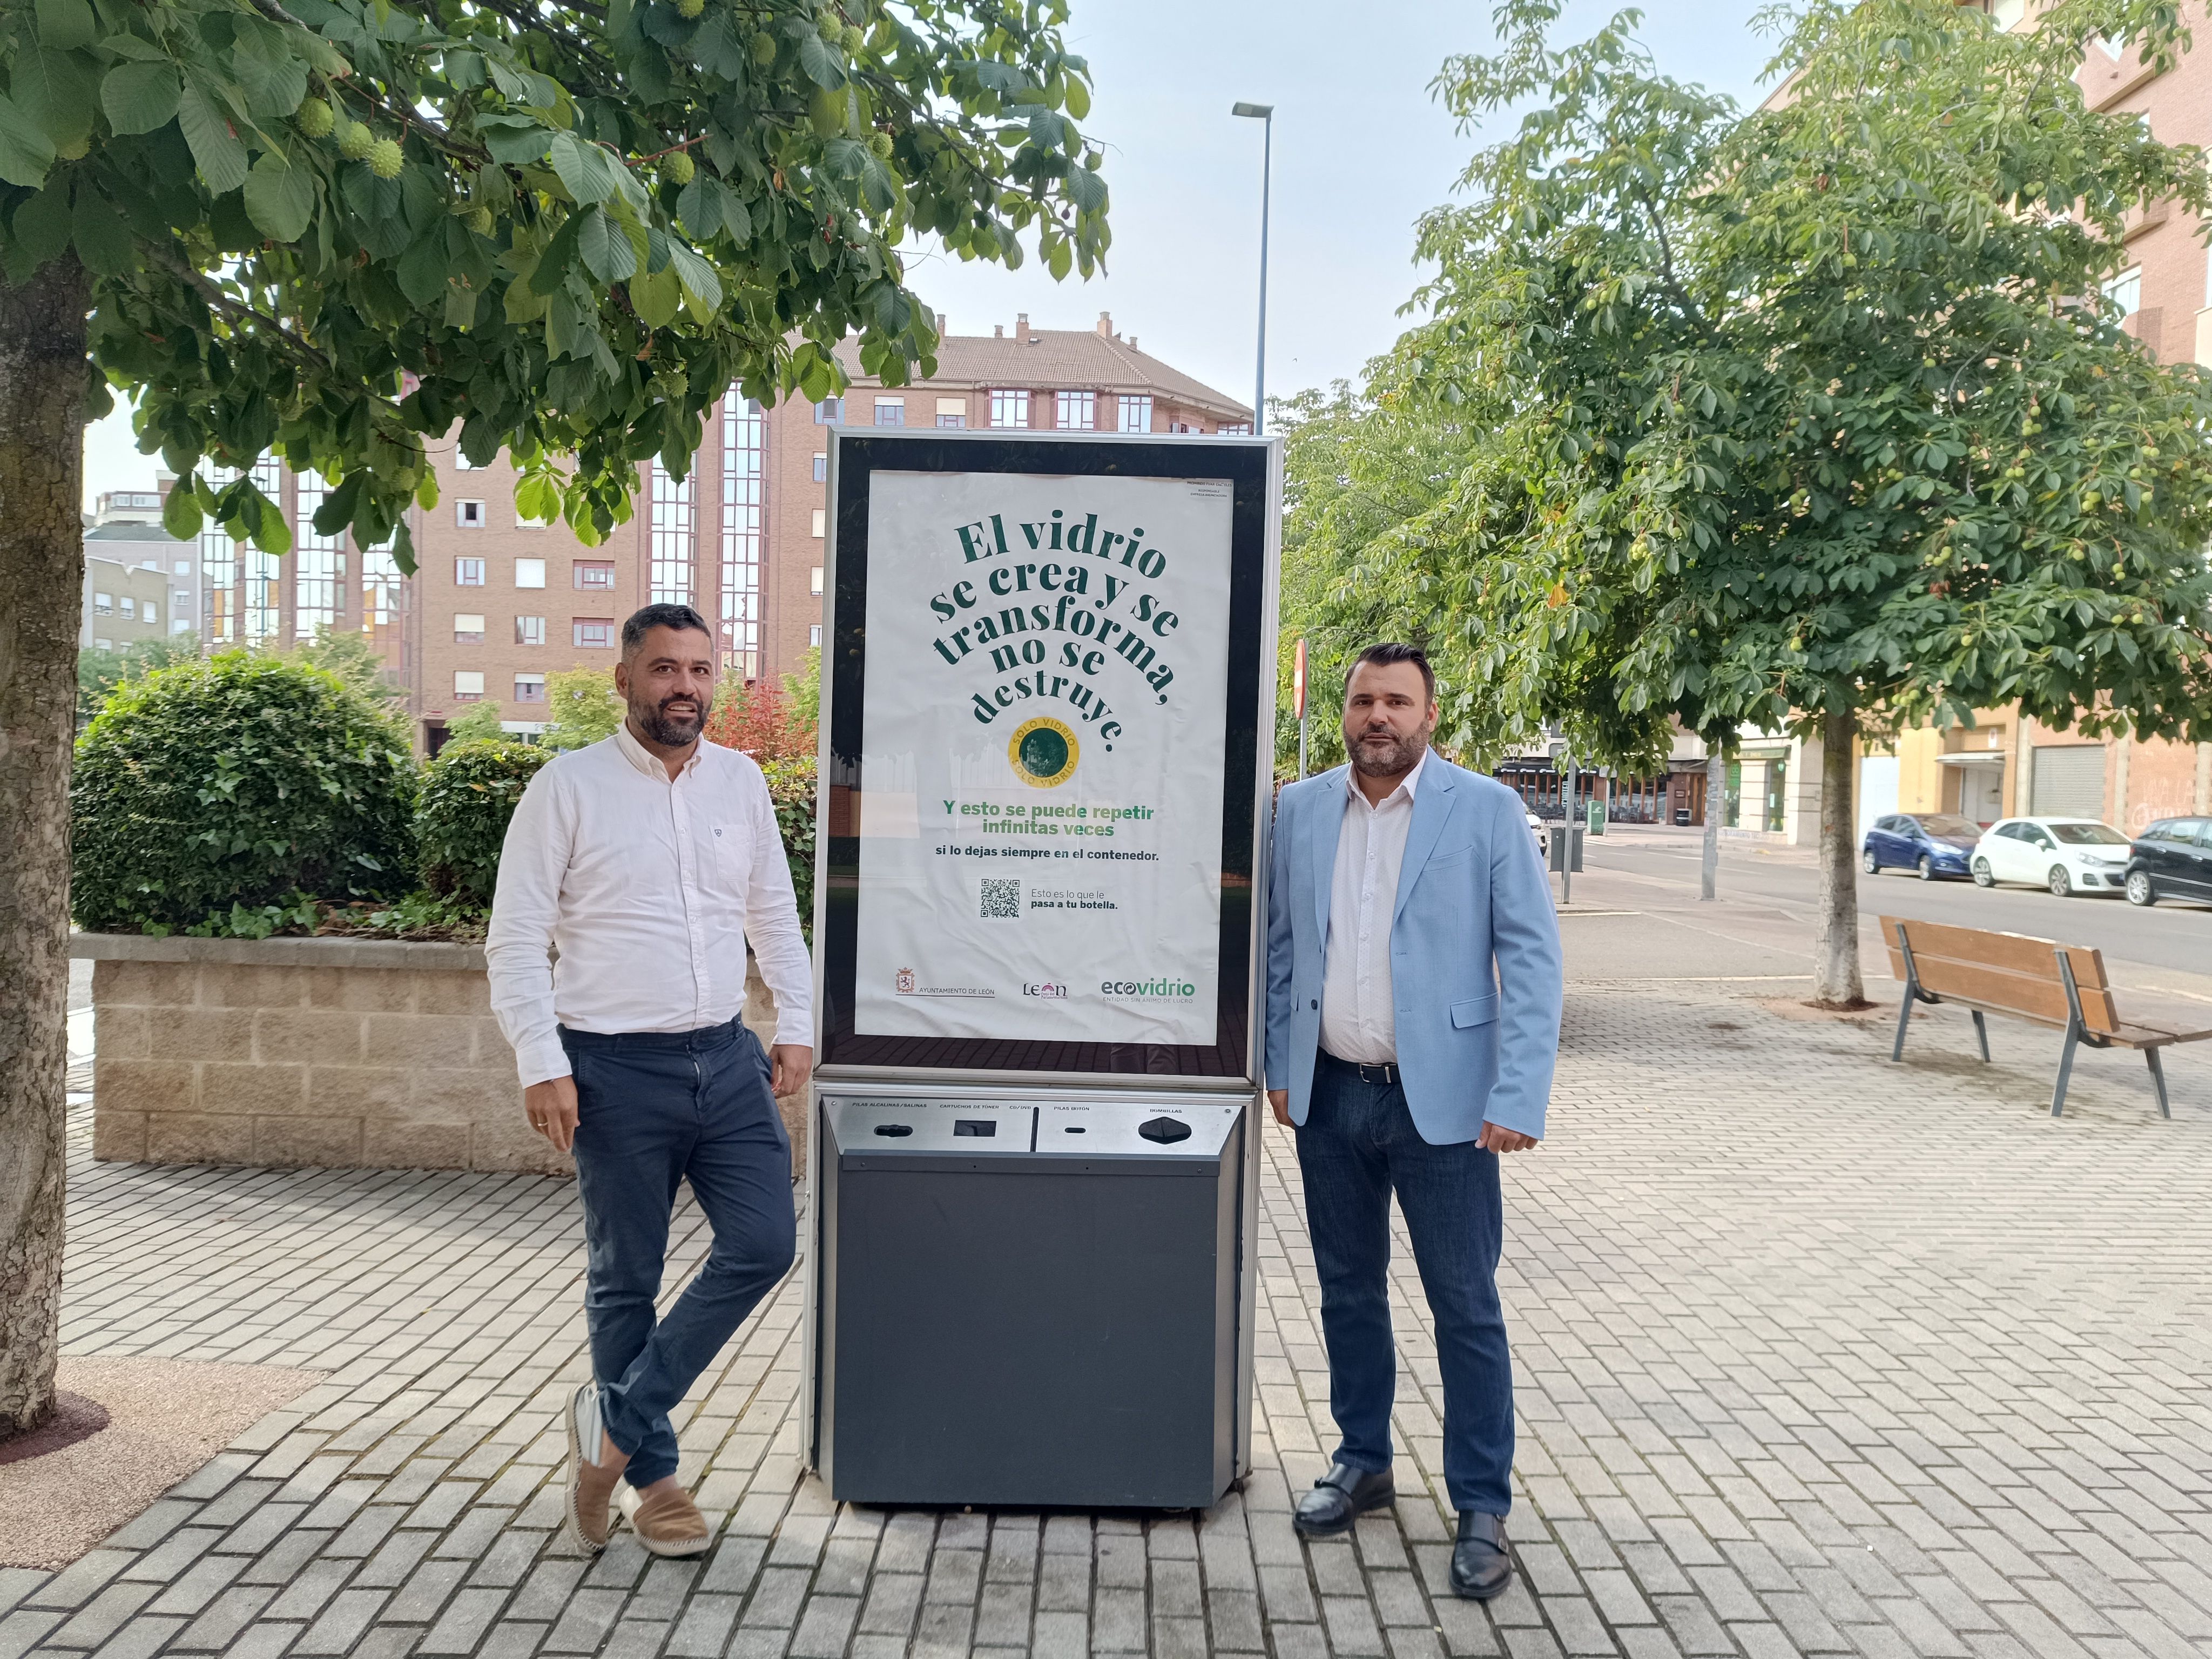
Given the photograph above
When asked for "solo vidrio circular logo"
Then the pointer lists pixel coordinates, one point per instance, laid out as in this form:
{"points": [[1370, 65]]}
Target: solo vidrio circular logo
{"points": [[1043, 753]]}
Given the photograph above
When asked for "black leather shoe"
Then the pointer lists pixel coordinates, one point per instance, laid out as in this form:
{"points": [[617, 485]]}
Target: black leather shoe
{"points": [[1480, 1567], [1340, 1497]]}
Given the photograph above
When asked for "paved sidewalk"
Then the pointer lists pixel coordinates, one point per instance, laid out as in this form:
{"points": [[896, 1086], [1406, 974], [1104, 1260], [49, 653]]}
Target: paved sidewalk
{"points": [[1816, 1355]]}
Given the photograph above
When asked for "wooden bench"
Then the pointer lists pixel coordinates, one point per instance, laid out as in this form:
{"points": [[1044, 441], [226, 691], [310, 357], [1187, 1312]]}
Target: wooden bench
{"points": [[2031, 979]]}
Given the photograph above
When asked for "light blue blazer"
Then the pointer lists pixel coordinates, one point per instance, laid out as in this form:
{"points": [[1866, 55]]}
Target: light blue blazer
{"points": [[1471, 1046]]}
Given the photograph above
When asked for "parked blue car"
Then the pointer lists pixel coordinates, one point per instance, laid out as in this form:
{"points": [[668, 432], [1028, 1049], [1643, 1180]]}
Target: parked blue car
{"points": [[1933, 844]]}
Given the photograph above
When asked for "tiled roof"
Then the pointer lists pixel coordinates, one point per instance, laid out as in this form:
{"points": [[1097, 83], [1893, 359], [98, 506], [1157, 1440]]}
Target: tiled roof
{"points": [[131, 533], [1056, 358]]}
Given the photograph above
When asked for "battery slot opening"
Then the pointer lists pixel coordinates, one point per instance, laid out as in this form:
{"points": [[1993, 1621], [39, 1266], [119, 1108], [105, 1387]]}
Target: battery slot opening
{"points": [[981, 1128]]}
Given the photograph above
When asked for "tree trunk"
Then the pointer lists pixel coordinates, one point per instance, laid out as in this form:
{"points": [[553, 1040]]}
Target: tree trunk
{"points": [[42, 383], [1836, 981], [1709, 866]]}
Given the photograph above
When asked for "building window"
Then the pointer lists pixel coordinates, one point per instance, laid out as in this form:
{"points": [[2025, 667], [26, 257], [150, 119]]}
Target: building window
{"points": [[817, 581], [468, 573], [952, 411], [672, 538], [1010, 408], [890, 411], [103, 604], [379, 586], [529, 630], [821, 469], [1078, 411], [744, 441], [319, 562], [595, 633], [1136, 414], [828, 410], [103, 644], [1182, 426], [468, 628], [1233, 430], [469, 516], [131, 607], [530, 688], [821, 522], [181, 568], [2125, 291], [814, 636], [264, 572], [468, 685], [596, 574], [530, 572], [151, 616]]}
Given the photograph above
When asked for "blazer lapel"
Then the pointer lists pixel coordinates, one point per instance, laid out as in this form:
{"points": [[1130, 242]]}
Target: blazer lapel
{"points": [[1432, 804], [1321, 843]]}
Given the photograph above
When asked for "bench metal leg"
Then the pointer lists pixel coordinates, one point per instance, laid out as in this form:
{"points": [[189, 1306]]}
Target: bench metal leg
{"points": [[1982, 1033], [2065, 1069], [2158, 1079], [1904, 1018]]}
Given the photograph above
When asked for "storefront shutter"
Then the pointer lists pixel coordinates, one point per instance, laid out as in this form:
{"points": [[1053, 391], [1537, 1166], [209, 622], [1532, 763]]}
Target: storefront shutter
{"points": [[2069, 782]]}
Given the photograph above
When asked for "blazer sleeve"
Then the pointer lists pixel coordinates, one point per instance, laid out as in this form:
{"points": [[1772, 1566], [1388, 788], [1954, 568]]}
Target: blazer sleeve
{"points": [[1531, 973], [1280, 947]]}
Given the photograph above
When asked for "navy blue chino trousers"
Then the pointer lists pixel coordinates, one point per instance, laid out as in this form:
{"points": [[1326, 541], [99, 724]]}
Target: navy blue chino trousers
{"points": [[1357, 1147], [655, 1110]]}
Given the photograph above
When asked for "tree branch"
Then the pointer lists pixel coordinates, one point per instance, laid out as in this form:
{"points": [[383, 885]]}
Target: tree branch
{"points": [[1666, 264], [270, 327]]}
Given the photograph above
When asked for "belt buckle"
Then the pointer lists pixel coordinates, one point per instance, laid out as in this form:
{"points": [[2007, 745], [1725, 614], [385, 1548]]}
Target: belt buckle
{"points": [[1375, 1074]]}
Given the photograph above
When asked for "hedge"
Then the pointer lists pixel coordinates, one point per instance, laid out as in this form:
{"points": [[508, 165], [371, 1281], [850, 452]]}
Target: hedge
{"points": [[469, 793]]}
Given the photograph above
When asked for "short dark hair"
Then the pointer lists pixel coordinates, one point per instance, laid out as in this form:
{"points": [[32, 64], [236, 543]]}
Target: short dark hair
{"points": [[659, 615], [1390, 652]]}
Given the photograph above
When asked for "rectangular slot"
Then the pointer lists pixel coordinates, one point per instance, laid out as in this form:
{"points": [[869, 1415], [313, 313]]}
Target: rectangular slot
{"points": [[984, 1127]]}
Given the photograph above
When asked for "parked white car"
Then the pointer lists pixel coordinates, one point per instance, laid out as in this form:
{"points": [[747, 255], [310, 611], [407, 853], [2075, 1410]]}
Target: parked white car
{"points": [[2067, 855], [1543, 834]]}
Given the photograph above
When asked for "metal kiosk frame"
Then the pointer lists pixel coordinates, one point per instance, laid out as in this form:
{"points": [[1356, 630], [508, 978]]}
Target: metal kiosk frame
{"points": [[986, 1075]]}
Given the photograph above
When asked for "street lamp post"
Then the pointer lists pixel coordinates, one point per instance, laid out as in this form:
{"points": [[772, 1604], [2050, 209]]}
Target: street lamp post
{"points": [[1266, 114]]}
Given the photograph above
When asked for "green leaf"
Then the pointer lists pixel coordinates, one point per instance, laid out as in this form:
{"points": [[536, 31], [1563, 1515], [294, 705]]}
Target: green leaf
{"points": [[1078, 98], [422, 269], [820, 63], [216, 149], [65, 25], [26, 152], [58, 92], [518, 144], [280, 197], [590, 173], [702, 289], [657, 298], [1087, 190], [180, 515], [735, 219], [560, 253], [140, 97], [273, 79], [699, 206], [103, 241], [606, 247]]}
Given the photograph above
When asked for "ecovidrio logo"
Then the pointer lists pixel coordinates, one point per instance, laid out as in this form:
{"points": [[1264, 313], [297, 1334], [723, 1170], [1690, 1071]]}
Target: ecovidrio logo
{"points": [[1166, 989], [1042, 752]]}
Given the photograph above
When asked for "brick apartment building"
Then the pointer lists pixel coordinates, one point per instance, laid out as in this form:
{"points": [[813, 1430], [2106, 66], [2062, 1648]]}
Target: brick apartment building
{"points": [[497, 604]]}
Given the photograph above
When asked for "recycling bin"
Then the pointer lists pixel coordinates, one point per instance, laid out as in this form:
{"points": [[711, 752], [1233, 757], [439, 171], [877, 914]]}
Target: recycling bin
{"points": [[1032, 1302]]}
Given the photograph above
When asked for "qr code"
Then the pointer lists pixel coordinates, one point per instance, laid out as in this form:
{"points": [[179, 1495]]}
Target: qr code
{"points": [[1002, 900]]}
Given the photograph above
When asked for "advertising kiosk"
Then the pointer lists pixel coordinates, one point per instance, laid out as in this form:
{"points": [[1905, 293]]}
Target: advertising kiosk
{"points": [[1048, 733]]}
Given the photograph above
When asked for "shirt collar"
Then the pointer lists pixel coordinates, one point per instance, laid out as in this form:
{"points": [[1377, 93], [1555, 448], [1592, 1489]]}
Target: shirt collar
{"points": [[1405, 784], [645, 760]]}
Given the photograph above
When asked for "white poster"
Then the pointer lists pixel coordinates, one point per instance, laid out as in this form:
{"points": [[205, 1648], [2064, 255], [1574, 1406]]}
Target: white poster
{"points": [[1039, 807]]}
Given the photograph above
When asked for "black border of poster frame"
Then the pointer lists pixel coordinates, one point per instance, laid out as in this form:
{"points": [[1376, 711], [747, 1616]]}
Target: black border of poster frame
{"points": [[1251, 467]]}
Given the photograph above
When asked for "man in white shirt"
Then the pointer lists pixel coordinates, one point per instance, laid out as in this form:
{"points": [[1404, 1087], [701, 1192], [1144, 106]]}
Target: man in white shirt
{"points": [[647, 860], [1414, 990]]}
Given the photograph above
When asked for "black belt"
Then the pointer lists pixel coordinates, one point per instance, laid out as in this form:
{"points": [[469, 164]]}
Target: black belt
{"points": [[1367, 1073]]}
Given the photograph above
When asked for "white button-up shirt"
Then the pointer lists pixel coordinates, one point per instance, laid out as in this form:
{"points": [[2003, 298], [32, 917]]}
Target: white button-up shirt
{"points": [[1358, 1019], [648, 887]]}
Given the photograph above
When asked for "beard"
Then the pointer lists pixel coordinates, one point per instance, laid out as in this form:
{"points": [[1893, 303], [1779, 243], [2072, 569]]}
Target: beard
{"points": [[670, 727], [1383, 754]]}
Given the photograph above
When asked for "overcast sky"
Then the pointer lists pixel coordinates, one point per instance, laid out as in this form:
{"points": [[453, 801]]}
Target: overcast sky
{"points": [[1361, 150]]}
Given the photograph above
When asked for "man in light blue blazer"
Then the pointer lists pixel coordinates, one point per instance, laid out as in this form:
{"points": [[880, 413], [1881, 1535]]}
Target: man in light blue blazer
{"points": [[1413, 989]]}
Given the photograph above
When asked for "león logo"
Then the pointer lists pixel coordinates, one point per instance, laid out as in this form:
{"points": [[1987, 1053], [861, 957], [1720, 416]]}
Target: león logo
{"points": [[1042, 752], [905, 981]]}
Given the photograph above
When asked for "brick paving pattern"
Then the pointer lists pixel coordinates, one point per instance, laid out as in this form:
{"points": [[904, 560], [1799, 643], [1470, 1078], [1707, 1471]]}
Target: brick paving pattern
{"points": [[1814, 1355]]}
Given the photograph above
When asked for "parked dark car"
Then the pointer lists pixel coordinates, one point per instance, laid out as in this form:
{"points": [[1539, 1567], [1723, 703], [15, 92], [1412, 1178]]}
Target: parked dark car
{"points": [[2172, 858], [1933, 844]]}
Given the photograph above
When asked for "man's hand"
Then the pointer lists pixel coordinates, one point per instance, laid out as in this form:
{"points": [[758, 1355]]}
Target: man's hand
{"points": [[790, 1064], [1496, 1138], [551, 1107], [1280, 1100]]}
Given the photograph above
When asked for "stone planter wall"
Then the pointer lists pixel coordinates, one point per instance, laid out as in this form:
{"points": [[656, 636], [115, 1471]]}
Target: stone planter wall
{"points": [[328, 1053]]}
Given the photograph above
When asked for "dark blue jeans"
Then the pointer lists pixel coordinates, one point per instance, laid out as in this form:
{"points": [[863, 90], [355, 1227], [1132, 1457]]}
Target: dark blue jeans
{"points": [[1357, 1145], [655, 1109]]}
